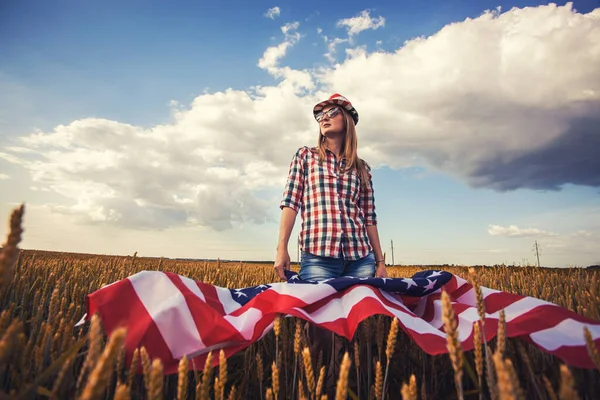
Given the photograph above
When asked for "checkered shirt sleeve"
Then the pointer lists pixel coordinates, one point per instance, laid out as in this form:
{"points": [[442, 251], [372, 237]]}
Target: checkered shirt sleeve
{"points": [[294, 187], [367, 200]]}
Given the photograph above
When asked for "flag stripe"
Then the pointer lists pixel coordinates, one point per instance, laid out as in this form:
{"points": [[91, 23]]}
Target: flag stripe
{"points": [[172, 315], [168, 310]]}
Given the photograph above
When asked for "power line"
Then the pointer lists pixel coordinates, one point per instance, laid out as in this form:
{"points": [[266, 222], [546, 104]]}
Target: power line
{"points": [[537, 253]]}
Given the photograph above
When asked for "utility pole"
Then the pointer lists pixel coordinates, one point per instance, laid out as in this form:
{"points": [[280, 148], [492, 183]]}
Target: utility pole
{"points": [[537, 253], [392, 243]]}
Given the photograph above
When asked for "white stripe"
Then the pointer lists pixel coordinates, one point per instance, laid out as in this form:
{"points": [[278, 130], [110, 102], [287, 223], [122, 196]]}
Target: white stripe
{"points": [[437, 321], [567, 333], [465, 323], [246, 322], [224, 295], [317, 291], [340, 308], [470, 299], [193, 286], [167, 307], [521, 307]]}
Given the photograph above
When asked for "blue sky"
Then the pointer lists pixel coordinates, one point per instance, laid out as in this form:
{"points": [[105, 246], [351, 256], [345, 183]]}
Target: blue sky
{"points": [[473, 162]]}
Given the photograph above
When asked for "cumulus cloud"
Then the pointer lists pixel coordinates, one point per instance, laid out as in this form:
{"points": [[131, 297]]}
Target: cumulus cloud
{"points": [[203, 169], [273, 13], [361, 22], [504, 101], [515, 231]]}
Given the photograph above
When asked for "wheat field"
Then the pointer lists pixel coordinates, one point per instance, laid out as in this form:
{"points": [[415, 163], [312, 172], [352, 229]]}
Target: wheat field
{"points": [[42, 354]]}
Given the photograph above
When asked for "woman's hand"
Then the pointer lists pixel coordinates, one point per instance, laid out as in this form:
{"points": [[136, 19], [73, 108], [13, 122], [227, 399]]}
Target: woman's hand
{"points": [[282, 262], [381, 271]]}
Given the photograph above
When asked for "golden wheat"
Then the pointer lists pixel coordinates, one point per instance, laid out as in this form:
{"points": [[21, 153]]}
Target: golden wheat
{"points": [[41, 351]]}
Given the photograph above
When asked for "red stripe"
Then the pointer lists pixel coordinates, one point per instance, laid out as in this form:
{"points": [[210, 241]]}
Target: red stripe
{"points": [[576, 356], [270, 301], [119, 306], [211, 297], [461, 290], [211, 325]]}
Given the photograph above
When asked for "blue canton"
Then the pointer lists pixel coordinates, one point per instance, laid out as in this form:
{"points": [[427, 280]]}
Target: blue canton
{"points": [[242, 296], [421, 284]]}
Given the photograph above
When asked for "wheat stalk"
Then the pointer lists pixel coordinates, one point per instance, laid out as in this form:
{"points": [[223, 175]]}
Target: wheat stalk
{"points": [[10, 250], [591, 347], [549, 388], [567, 385], [319, 389], [222, 374], [342, 384], [453, 344], [275, 380], [389, 350], [378, 381], [156, 380], [204, 386], [501, 333], [409, 391], [478, 356], [133, 367], [505, 388], [102, 372], [182, 378], [308, 370], [122, 392]]}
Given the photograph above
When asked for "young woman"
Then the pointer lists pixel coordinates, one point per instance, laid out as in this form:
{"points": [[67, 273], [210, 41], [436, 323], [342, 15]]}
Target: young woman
{"points": [[332, 189]]}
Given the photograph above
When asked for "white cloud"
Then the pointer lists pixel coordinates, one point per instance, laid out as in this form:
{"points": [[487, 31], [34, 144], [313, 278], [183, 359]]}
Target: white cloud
{"points": [[273, 54], [331, 47], [200, 170], [273, 13], [4, 177], [499, 101], [298, 80], [489, 100], [361, 22], [515, 231], [289, 28]]}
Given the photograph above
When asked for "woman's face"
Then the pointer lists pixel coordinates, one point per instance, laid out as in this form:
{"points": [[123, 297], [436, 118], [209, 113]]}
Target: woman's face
{"points": [[331, 120]]}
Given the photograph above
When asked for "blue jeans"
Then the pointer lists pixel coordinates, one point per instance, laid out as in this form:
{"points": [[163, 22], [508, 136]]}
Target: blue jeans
{"points": [[316, 268]]}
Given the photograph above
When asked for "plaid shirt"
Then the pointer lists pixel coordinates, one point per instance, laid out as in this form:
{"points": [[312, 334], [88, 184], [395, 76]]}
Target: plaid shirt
{"points": [[335, 210]]}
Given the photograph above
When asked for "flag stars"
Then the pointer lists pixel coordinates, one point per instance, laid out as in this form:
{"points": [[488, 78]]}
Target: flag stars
{"points": [[430, 286], [240, 293], [409, 282]]}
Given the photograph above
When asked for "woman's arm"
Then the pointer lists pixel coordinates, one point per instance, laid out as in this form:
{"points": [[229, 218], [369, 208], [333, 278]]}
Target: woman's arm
{"points": [[290, 205], [282, 259], [367, 203], [380, 270]]}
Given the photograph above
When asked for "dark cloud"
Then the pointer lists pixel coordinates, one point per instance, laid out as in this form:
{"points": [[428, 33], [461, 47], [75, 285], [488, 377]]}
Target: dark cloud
{"points": [[572, 158]]}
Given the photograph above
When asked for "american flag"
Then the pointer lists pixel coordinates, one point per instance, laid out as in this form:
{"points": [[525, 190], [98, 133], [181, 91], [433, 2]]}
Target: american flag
{"points": [[172, 315]]}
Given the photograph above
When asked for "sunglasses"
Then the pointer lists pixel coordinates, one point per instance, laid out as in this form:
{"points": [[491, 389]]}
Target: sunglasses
{"points": [[332, 112]]}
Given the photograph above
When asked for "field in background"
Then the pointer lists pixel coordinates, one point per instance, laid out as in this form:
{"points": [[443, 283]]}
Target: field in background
{"points": [[42, 353]]}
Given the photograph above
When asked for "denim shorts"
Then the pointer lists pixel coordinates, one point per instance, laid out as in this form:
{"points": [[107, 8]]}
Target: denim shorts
{"points": [[317, 268]]}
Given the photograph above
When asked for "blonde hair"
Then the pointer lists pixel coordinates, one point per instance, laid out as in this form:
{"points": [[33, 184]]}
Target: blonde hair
{"points": [[349, 150]]}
